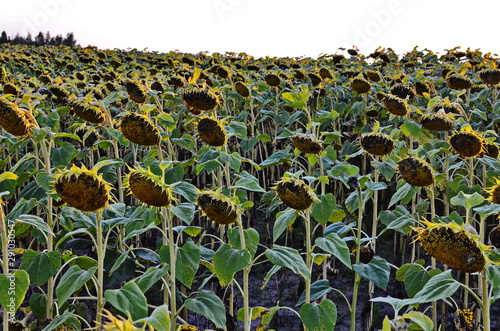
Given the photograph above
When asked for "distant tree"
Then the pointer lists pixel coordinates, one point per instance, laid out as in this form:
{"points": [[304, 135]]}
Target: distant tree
{"points": [[29, 39], [3, 38], [17, 39], [48, 38], [40, 39], [58, 40], [69, 40]]}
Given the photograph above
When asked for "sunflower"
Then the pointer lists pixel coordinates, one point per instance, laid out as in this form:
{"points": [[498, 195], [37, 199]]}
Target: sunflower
{"points": [[377, 143], [86, 111], [424, 87], [199, 99], [374, 76], [136, 92], [454, 245], [395, 105], [272, 80], [437, 122], [494, 192], [324, 73], [217, 207], [490, 76], [459, 82], [315, 79], [464, 320], [467, 143], [295, 194], [491, 150], [307, 143], [416, 172], [82, 189], [118, 323], [495, 236], [139, 129], [13, 119], [60, 93], [360, 85], [10, 89], [403, 91], [212, 132], [148, 188], [242, 89]]}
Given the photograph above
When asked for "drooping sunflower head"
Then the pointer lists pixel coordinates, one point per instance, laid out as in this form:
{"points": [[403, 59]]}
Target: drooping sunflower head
{"points": [[494, 192], [325, 73], [139, 129], [87, 111], [82, 189], [467, 143], [295, 194], [136, 91], [464, 320], [242, 89], [437, 122], [272, 80], [315, 79], [403, 91], [490, 76], [454, 245], [118, 323], [10, 89], [61, 95], [377, 143], [199, 99], [424, 87], [459, 82], [217, 207], [360, 85], [491, 150], [307, 143], [395, 105], [416, 172], [211, 131], [13, 119], [374, 76], [148, 188]]}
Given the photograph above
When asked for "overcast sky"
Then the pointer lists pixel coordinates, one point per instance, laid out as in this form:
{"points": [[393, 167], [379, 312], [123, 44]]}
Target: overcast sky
{"points": [[262, 27]]}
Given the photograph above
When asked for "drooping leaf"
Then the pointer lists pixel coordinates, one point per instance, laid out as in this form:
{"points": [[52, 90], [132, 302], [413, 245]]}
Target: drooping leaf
{"points": [[209, 305], [319, 317], [334, 245], [289, 258], [227, 261], [72, 281], [13, 288], [129, 300], [377, 271]]}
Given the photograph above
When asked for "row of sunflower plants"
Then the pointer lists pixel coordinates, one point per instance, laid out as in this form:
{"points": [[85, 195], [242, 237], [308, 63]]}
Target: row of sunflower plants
{"points": [[335, 170]]}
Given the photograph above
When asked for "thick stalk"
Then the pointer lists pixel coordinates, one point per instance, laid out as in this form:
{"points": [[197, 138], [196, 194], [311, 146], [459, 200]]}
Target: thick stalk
{"points": [[433, 260], [100, 268], [308, 254], [357, 277], [486, 302], [246, 272], [173, 257], [5, 260]]}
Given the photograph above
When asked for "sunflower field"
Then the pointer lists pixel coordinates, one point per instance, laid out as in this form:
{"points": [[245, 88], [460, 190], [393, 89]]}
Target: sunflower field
{"points": [[151, 191]]}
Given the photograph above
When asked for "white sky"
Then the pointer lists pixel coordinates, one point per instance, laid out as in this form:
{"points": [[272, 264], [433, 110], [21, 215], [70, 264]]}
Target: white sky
{"points": [[262, 27]]}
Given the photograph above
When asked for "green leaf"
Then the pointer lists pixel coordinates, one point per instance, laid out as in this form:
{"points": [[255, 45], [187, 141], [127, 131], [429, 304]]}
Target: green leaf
{"points": [[411, 128], [319, 317], [277, 157], [377, 271], [323, 212], [40, 266], [238, 129], [66, 317], [289, 258], [185, 212], [63, 155], [403, 192], [188, 261], [318, 289], [334, 245], [227, 261], [439, 287], [13, 288], [420, 319], [468, 201], [159, 319], [209, 305], [251, 239], [38, 305], [35, 221], [248, 182], [72, 281], [415, 279], [296, 100], [128, 300], [150, 277], [487, 210], [283, 220], [187, 190]]}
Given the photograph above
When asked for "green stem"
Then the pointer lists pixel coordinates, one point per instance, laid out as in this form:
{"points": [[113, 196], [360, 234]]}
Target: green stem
{"points": [[246, 272], [433, 214], [308, 255], [357, 277], [5, 260], [485, 301], [100, 268], [173, 257]]}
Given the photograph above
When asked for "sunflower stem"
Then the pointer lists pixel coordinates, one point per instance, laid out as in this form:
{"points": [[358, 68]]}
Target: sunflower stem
{"points": [[5, 259], [246, 272], [485, 301], [308, 255], [433, 214], [357, 277], [173, 257], [100, 268]]}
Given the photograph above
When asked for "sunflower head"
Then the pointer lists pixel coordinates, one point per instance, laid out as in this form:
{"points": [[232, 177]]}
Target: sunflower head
{"points": [[325, 73], [315, 79], [491, 150], [437, 122], [366, 254], [403, 91], [454, 245], [494, 192], [464, 320], [490, 76], [494, 236], [467, 143], [118, 323], [135, 91], [424, 87], [87, 111], [217, 207], [242, 89], [211, 131], [377, 143], [272, 80], [459, 82], [374, 76], [148, 188], [295, 194], [13, 119], [10, 89], [199, 99], [60, 93], [307, 143], [360, 85], [82, 189], [395, 105], [139, 129], [416, 172]]}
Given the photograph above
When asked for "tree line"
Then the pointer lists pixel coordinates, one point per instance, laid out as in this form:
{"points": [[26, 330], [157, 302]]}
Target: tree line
{"points": [[41, 39]]}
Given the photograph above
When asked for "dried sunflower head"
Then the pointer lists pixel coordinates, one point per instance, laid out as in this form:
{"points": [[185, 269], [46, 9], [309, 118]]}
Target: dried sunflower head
{"points": [[139, 129], [424, 87], [467, 143], [490, 76], [360, 85], [491, 150], [272, 80], [494, 192], [135, 91], [403, 91], [295, 194], [325, 73], [377, 143], [459, 82], [10, 89], [82, 189], [437, 122], [13, 119], [494, 236], [148, 188], [374, 76], [315, 79], [60, 93], [217, 207], [454, 245], [307, 143], [416, 172], [395, 105], [89, 112], [464, 320], [242, 89], [211, 131], [199, 99]]}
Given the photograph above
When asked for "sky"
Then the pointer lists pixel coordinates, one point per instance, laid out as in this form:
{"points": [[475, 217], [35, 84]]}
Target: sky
{"points": [[285, 28]]}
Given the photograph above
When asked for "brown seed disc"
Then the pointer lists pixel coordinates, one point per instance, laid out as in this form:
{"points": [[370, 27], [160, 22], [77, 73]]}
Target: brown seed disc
{"points": [[216, 209], [307, 144], [403, 91], [86, 111], [147, 191], [325, 73], [83, 192], [135, 91], [13, 119], [373, 75], [415, 172], [377, 143], [242, 89], [272, 80], [495, 233], [360, 85], [198, 100], [211, 132], [395, 105], [366, 254], [490, 76], [315, 79], [454, 249], [435, 122], [294, 194], [139, 130], [466, 144], [459, 82]]}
